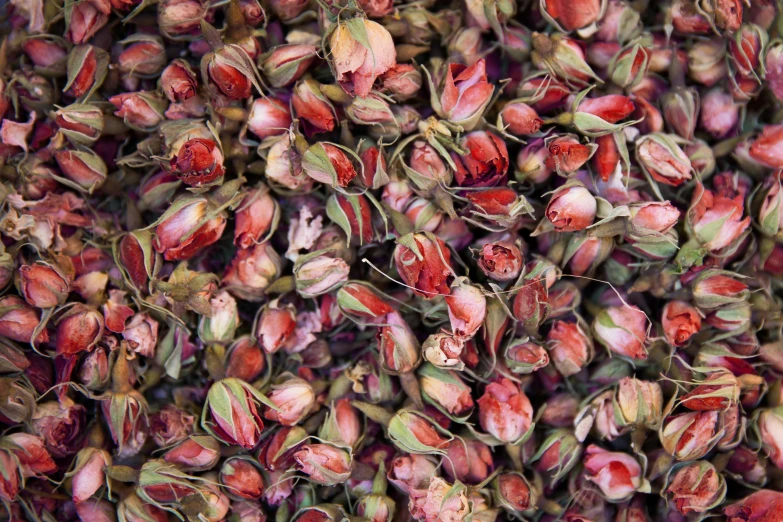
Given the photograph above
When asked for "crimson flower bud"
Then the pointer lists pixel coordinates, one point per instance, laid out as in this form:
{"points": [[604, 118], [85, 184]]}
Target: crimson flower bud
{"points": [[241, 477], [412, 472], [611, 108], [570, 348], [618, 475], [566, 153], [568, 17], [526, 357], [139, 110], [359, 299], [374, 172], [500, 260], [423, 262], [469, 461], [718, 392], [84, 20], [34, 459], [413, 432], [623, 330], [353, 214], [762, 506], [505, 411], [43, 285], [61, 425], [557, 455], [230, 70], [520, 119], [44, 53], [571, 208], [255, 217], [269, 117], [324, 464], [186, 228], [287, 10], [680, 322], [358, 63], [252, 270], [467, 308], [99, 511], [195, 453], [512, 491], [231, 413], [486, 162], [427, 168], [78, 330], [179, 17], [690, 436], [285, 64], [144, 57], [312, 107], [680, 109], [80, 123], [397, 344], [531, 304], [716, 218], [464, 94], [275, 326], [662, 157], [161, 483], [696, 487], [712, 289], [84, 168], [199, 162], [328, 164], [342, 424], [178, 81], [548, 93], [767, 148], [292, 400]]}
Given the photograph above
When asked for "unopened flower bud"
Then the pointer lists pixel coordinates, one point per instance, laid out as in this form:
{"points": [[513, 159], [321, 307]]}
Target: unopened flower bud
{"points": [[696, 487], [618, 475], [241, 477], [505, 411], [285, 64], [662, 157], [463, 95], [231, 413], [623, 330], [571, 208], [324, 464], [569, 347], [195, 453]]}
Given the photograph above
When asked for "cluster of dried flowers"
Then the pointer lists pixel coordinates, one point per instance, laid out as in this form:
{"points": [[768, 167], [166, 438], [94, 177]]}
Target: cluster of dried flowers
{"points": [[323, 262]]}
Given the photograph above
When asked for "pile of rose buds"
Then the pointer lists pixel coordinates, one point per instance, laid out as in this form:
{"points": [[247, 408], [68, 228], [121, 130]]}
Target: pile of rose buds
{"points": [[378, 261]]}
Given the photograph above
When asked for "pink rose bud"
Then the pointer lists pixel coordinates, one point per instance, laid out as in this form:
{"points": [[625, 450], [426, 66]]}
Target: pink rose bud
{"points": [[139, 110], [412, 472], [43, 285], [411, 432], [531, 304], [318, 274], [85, 19], [680, 322], [718, 392], [342, 425], [312, 107], [256, 216], [662, 157], [445, 390], [61, 425], [357, 64], [80, 123], [221, 326], [144, 57], [618, 475], [287, 10], [569, 347], [181, 232], [469, 462], [294, 399], [566, 153], [611, 108], [198, 162], [770, 423], [85, 168], [713, 289], [231, 413], [359, 299], [195, 453], [170, 425], [242, 477], [501, 261], [445, 502], [707, 62], [562, 56], [553, 93], [623, 330], [324, 464], [34, 459], [402, 81], [773, 63], [557, 455], [526, 358], [681, 110], [328, 164], [464, 94], [397, 344], [179, 17], [568, 16], [767, 148], [444, 351], [652, 219], [44, 53], [696, 488], [427, 268], [486, 162], [719, 113], [251, 271], [512, 491], [519, 119], [505, 411], [427, 168], [374, 173], [571, 208], [141, 332], [285, 64], [716, 218], [275, 326], [269, 117], [95, 373], [98, 511], [78, 330], [245, 360], [88, 474], [467, 308], [230, 70], [178, 81], [764, 505], [691, 435]]}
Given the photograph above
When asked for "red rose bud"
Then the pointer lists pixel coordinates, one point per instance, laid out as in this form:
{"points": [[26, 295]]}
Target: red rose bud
{"points": [[748, 465], [231, 413], [287, 10], [690, 436], [571, 208], [88, 474], [680, 322], [324, 464], [293, 400], [566, 153], [663, 159], [716, 219], [359, 299], [714, 288], [445, 390], [43, 285], [520, 119], [650, 220], [680, 109], [412, 432], [423, 262], [84, 169], [179, 17], [563, 57], [269, 117], [78, 330], [186, 227], [85, 19], [718, 392], [61, 426], [568, 17], [34, 459], [545, 93], [467, 308], [557, 455], [275, 326], [195, 453], [398, 346], [611, 108], [427, 168], [512, 491], [178, 81], [505, 412], [486, 162], [141, 110], [312, 107], [464, 94], [357, 63], [161, 483], [145, 57], [81, 123], [353, 214], [500, 261], [229, 68], [342, 424], [762, 506], [257, 215], [526, 357], [569, 347], [767, 148], [198, 162], [251, 271], [719, 113], [285, 64], [45, 53], [468, 461], [531, 304], [623, 330], [696, 487], [328, 164], [241, 477], [374, 172], [245, 360], [618, 475]]}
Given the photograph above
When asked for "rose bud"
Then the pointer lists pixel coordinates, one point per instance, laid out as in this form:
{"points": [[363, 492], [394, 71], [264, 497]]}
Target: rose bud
{"points": [[84, 168], [312, 107], [766, 148], [34, 459], [566, 153], [623, 330], [142, 111], [719, 113], [328, 164], [412, 472], [220, 327], [445, 390], [464, 94], [84, 20], [88, 475], [287, 10], [412, 432], [525, 357], [43, 285], [324, 464], [231, 413], [162, 483], [663, 159], [500, 261], [258, 213], [571, 208], [251, 271], [186, 228], [505, 412], [199, 162], [519, 119], [651, 219], [467, 308], [696, 487], [444, 501], [468, 461], [512, 491], [425, 267], [680, 322], [374, 172], [99, 511], [563, 57], [359, 299], [95, 373], [770, 425], [568, 17], [269, 117], [557, 455], [170, 425], [82, 124], [293, 400], [45, 53], [353, 214], [145, 57], [402, 82], [142, 334], [707, 63], [178, 81], [180, 17], [195, 453], [342, 425], [531, 303], [398, 346], [690, 436], [715, 218], [317, 274], [443, 350], [569, 347], [762, 506], [285, 64], [618, 475], [486, 162], [61, 425], [680, 108], [228, 68], [427, 170], [241, 477], [78, 330], [718, 392], [548, 93], [638, 403], [358, 63], [713, 289], [245, 360], [747, 465], [275, 326]]}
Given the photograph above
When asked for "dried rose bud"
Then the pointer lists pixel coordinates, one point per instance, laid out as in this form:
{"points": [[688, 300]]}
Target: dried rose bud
{"points": [[766, 148], [43, 285], [570, 349], [680, 108], [770, 424], [464, 94], [228, 69], [445, 501], [358, 63], [84, 20], [639, 402], [359, 299], [312, 107], [34, 459], [696, 487], [145, 57], [328, 164], [486, 162], [45, 53], [690, 436], [353, 214], [141, 110], [88, 475], [275, 326], [162, 483], [398, 346], [427, 168], [623, 330], [293, 400], [512, 491], [269, 117], [526, 357], [342, 424], [324, 464], [84, 168], [178, 81], [715, 218], [61, 425], [251, 271], [402, 81], [80, 123], [195, 453], [231, 413], [571, 208], [713, 288], [719, 113], [505, 411], [78, 330], [142, 334], [762, 506], [500, 261], [445, 390], [198, 162], [468, 461], [411, 472], [220, 327], [707, 63], [467, 308], [566, 153], [568, 17], [563, 57], [412, 432], [665, 161], [257, 215], [422, 261], [317, 274], [444, 351], [179, 17], [170, 425], [680, 322], [557, 455], [241, 477], [181, 231], [618, 475], [519, 119]]}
